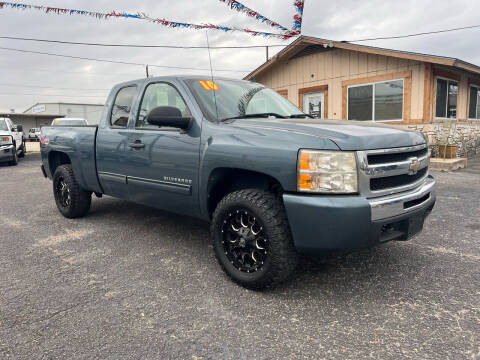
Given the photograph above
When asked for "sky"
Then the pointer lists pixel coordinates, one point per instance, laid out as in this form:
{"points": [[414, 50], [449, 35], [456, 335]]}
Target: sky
{"points": [[27, 79]]}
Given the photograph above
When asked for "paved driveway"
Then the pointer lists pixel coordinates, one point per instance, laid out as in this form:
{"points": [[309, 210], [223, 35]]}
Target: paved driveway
{"points": [[131, 282]]}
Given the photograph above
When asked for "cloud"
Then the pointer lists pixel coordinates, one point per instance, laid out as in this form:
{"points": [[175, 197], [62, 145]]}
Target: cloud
{"points": [[341, 20]]}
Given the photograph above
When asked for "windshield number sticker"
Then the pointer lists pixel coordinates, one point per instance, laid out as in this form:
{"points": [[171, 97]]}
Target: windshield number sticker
{"points": [[209, 85]]}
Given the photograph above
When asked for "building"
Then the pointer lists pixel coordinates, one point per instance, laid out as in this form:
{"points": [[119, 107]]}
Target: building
{"points": [[29, 121], [340, 80], [42, 114], [89, 112]]}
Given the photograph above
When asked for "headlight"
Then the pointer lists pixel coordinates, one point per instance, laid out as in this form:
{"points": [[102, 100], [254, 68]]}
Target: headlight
{"points": [[6, 140], [425, 136], [327, 172]]}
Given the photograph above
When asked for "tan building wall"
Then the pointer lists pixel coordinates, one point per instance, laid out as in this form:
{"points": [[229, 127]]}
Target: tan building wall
{"points": [[338, 68]]}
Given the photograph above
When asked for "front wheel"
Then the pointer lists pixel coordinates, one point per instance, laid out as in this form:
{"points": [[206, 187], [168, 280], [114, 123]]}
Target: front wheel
{"points": [[252, 239], [14, 160], [72, 201]]}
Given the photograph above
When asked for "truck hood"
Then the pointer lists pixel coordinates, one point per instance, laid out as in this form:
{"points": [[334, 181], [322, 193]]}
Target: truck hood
{"points": [[347, 135], [3, 133]]}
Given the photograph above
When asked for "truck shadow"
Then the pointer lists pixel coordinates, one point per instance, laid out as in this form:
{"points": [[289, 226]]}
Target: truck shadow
{"points": [[377, 272]]}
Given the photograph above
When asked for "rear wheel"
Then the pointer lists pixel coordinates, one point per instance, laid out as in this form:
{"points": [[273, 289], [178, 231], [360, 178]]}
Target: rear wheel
{"points": [[72, 201], [252, 239]]}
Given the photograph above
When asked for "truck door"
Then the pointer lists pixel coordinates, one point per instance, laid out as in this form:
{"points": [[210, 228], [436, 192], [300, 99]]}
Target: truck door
{"points": [[162, 161], [112, 143]]}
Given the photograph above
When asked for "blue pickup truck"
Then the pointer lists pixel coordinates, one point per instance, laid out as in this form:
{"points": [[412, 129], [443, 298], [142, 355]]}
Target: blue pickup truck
{"points": [[272, 181]]}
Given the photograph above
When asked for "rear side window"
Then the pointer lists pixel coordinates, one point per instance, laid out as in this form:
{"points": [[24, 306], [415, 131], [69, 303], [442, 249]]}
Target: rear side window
{"points": [[122, 106]]}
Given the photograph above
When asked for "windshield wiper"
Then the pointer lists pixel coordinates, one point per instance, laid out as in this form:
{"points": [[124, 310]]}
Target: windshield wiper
{"points": [[247, 116], [300, 116]]}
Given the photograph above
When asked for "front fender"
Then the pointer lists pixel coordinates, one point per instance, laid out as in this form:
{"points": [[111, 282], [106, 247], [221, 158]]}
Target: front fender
{"points": [[268, 155]]}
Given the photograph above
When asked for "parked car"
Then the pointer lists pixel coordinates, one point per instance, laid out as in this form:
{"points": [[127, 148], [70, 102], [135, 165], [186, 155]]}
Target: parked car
{"points": [[34, 134], [272, 181], [69, 122], [12, 141]]}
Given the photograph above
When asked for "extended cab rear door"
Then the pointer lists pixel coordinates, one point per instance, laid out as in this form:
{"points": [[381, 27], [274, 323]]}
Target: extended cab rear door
{"points": [[113, 137], [162, 162]]}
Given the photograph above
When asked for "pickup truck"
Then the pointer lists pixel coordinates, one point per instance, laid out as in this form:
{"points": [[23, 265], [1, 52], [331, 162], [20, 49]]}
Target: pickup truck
{"points": [[12, 142], [272, 181]]}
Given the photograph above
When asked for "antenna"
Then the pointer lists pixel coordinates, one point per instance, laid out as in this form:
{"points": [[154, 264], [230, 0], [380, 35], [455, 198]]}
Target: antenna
{"points": [[211, 73]]}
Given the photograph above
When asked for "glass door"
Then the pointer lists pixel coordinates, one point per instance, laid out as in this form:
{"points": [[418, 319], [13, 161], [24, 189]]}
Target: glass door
{"points": [[313, 104]]}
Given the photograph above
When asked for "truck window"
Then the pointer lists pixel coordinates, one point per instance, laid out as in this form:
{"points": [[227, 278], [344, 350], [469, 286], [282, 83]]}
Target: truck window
{"points": [[4, 125], [160, 94], [122, 106]]}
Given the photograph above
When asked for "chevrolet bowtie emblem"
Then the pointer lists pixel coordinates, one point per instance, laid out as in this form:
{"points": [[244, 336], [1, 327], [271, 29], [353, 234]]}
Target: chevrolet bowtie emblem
{"points": [[414, 166]]}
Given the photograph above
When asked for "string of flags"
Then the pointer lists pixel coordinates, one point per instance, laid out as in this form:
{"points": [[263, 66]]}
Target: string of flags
{"points": [[285, 33], [236, 5]]}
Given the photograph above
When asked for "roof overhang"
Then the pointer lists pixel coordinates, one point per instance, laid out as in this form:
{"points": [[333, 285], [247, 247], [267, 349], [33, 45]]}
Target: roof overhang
{"points": [[303, 41]]}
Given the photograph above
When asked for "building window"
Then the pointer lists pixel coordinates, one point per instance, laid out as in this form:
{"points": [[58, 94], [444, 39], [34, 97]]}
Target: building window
{"points": [[381, 101], [447, 94], [474, 108]]}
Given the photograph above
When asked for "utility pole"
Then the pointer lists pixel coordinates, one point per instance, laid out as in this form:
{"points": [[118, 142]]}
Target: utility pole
{"points": [[266, 49]]}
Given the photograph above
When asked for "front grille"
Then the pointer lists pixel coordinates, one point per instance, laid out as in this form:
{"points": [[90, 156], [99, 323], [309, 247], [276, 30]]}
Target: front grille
{"points": [[374, 159], [396, 181], [388, 171]]}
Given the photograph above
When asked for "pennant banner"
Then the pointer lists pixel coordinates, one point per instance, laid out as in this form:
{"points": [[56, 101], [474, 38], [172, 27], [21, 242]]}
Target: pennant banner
{"points": [[236, 5], [174, 24]]}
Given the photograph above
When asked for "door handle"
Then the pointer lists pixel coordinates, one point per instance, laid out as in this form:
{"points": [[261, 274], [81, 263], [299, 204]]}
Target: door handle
{"points": [[137, 145]]}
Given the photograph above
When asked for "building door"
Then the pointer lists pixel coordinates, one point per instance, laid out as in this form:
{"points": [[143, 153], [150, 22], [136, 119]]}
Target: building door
{"points": [[313, 104]]}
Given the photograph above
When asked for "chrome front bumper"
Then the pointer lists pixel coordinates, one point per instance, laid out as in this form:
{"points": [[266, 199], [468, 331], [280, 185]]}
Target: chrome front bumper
{"points": [[402, 203]]}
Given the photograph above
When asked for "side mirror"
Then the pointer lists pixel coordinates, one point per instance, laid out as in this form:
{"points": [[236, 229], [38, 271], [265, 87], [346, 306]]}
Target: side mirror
{"points": [[19, 128], [168, 116]]}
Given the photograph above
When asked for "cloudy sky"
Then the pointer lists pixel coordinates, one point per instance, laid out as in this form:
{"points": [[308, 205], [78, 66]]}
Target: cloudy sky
{"points": [[29, 78]]}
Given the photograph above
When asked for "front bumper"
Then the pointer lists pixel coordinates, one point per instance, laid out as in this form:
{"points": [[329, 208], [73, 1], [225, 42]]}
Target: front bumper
{"points": [[325, 223], [6, 153]]}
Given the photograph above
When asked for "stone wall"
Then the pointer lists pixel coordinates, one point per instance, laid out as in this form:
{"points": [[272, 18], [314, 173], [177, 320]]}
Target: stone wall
{"points": [[465, 134]]}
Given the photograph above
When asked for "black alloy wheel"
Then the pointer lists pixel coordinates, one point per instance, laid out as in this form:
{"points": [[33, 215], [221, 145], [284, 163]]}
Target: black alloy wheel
{"points": [[252, 239], [72, 201], [244, 241]]}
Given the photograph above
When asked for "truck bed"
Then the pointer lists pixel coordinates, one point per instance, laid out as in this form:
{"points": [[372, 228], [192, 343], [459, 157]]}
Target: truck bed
{"points": [[79, 143]]}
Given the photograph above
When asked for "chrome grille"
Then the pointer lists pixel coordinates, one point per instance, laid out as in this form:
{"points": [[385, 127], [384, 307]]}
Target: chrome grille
{"points": [[389, 171]]}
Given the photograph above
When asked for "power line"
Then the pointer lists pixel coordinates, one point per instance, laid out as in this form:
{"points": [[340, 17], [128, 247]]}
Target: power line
{"points": [[49, 87], [140, 46], [415, 34], [114, 61], [57, 95]]}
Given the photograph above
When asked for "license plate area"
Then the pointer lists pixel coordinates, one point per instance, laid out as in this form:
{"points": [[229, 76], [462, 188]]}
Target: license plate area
{"points": [[413, 225]]}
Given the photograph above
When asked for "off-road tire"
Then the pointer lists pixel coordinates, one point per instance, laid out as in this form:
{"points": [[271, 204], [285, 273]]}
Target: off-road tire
{"points": [[22, 154], [80, 199], [14, 161], [268, 208]]}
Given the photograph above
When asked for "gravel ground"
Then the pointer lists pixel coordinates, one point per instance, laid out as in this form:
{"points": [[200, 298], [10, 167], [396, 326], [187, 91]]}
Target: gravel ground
{"points": [[131, 282]]}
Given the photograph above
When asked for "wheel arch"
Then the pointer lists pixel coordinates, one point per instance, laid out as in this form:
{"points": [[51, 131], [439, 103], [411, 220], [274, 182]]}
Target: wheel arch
{"points": [[57, 158], [223, 181]]}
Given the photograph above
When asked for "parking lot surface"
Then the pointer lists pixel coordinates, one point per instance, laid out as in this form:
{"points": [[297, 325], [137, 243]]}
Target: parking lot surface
{"points": [[131, 282]]}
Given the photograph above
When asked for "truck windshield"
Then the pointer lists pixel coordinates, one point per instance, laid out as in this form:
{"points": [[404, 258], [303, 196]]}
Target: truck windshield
{"points": [[3, 125], [227, 99]]}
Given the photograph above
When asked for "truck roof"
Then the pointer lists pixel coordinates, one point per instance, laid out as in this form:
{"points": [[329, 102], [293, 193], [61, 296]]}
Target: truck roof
{"points": [[180, 77]]}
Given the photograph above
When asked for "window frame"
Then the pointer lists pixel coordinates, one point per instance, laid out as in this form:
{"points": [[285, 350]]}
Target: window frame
{"points": [[446, 106], [373, 98], [111, 126], [167, 128], [468, 110]]}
